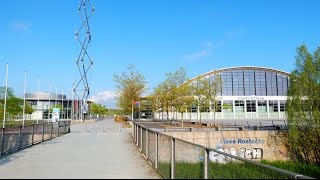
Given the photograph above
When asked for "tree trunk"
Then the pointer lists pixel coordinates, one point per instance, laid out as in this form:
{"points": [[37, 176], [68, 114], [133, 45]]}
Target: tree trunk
{"points": [[181, 119]]}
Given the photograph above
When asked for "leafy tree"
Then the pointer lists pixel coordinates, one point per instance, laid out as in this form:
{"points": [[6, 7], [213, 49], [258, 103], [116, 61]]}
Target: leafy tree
{"points": [[160, 98], [199, 90], [28, 109], [98, 109], [206, 92], [14, 104], [171, 84], [10, 92], [303, 108], [184, 99], [130, 85], [14, 107]]}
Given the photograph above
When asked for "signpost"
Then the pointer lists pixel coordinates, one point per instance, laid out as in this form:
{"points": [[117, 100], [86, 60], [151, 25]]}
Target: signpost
{"points": [[55, 114]]}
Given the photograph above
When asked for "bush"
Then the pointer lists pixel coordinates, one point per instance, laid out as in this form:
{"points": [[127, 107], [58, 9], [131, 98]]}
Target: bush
{"points": [[121, 118]]}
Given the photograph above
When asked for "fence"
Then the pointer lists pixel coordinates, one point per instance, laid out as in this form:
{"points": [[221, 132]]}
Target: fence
{"points": [[178, 159], [16, 138]]}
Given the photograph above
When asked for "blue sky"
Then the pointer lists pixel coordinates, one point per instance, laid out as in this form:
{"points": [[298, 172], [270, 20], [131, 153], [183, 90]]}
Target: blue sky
{"points": [[156, 36]]}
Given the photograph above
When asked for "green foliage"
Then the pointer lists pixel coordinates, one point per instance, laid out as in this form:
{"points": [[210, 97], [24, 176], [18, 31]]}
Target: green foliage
{"points": [[231, 170], [12, 123], [206, 91], [10, 92], [98, 109], [14, 105], [312, 170], [28, 109], [130, 86], [303, 108]]}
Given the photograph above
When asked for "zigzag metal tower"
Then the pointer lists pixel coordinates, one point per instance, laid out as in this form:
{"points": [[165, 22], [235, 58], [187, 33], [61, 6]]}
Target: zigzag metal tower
{"points": [[84, 62]]}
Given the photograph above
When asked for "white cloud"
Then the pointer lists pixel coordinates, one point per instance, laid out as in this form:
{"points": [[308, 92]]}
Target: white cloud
{"points": [[20, 26], [205, 51], [105, 97], [197, 55]]}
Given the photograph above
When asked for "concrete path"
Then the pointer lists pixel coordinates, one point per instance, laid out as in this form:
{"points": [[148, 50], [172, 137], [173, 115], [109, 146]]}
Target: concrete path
{"points": [[100, 150]]}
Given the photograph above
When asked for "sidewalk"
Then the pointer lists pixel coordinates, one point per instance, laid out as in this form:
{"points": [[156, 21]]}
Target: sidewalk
{"points": [[91, 150]]}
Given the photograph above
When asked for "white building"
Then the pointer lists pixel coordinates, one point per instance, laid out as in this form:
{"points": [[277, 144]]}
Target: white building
{"points": [[250, 92]]}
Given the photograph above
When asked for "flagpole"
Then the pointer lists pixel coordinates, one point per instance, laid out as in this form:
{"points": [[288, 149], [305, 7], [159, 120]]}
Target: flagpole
{"points": [[62, 105], [55, 104], [38, 111], [24, 98], [49, 103], [5, 99]]}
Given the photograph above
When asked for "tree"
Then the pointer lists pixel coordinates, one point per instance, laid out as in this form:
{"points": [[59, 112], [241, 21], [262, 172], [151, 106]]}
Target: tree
{"points": [[199, 90], [171, 84], [206, 92], [13, 103], [303, 108], [160, 98], [10, 92], [184, 99], [215, 87], [129, 86], [98, 109], [28, 109]]}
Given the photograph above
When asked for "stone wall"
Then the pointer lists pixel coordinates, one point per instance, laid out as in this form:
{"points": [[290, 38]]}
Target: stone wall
{"points": [[254, 145]]}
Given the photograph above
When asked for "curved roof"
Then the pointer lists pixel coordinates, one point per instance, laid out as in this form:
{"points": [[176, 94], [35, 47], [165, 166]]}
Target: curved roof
{"points": [[239, 68]]}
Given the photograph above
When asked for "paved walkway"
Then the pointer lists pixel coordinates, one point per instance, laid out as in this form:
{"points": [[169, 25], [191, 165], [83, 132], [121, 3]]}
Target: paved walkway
{"points": [[92, 150]]}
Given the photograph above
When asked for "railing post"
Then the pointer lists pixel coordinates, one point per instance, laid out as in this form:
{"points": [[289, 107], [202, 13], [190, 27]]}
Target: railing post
{"points": [[147, 144], [172, 157], [51, 129], [141, 138], [32, 135], [205, 164], [64, 127], [137, 134], [2, 141], [42, 132], [134, 132], [58, 128], [20, 137], [156, 158]]}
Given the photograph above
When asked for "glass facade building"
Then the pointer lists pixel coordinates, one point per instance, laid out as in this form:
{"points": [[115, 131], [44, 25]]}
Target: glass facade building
{"points": [[41, 102], [248, 92]]}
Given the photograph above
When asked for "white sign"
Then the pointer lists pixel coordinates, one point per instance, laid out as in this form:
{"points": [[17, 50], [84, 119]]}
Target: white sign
{"points": [[55, 114], [251, 98]]}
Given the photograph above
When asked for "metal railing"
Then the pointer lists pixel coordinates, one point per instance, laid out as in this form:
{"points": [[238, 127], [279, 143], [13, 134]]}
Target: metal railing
{"points": [[16, 138], [174, 158]]}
